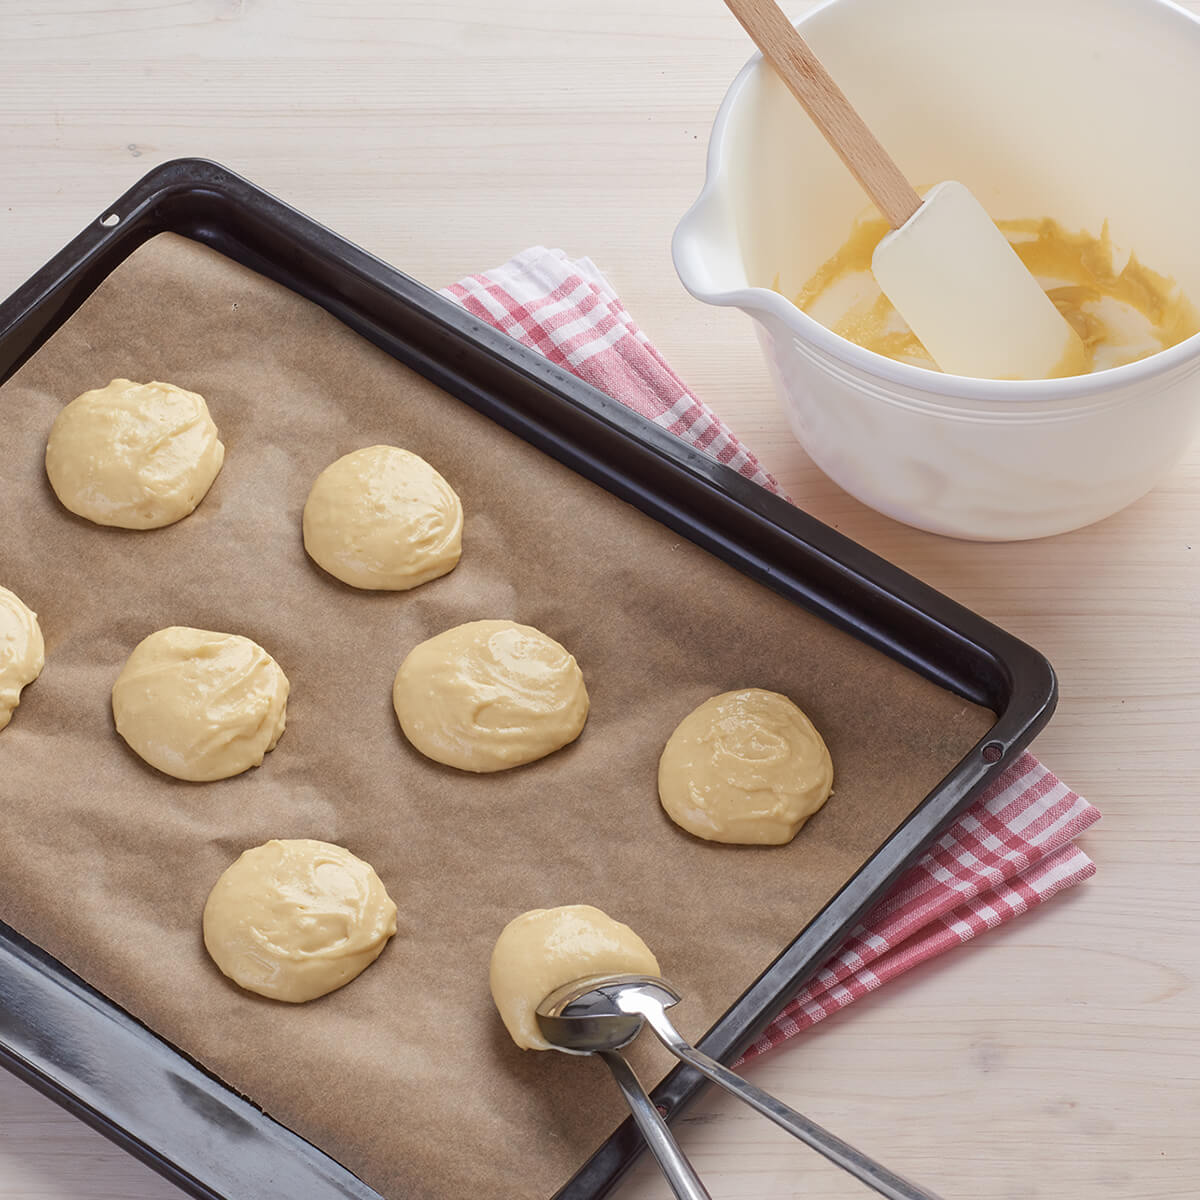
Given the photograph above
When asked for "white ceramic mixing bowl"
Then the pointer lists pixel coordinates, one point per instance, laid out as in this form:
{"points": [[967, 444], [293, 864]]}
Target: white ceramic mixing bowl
{"points": [[1075, 109]]}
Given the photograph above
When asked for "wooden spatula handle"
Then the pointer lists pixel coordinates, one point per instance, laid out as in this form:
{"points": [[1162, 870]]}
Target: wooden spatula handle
{"points": [[825, 103]]}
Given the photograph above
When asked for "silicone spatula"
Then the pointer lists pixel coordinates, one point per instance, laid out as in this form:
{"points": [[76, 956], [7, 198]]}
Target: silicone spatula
{"points": [[951, 274]]}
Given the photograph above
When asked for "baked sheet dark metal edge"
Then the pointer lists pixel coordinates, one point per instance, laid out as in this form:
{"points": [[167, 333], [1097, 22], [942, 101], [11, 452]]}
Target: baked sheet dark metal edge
{"points": [[83, 1051]]}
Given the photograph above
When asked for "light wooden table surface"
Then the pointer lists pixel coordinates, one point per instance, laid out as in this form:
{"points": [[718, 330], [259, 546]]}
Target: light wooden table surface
{"points": [[1058, 1057]]}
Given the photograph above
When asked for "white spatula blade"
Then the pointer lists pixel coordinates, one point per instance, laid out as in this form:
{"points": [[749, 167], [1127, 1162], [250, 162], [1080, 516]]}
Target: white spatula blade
{"points": [[961, 287]]}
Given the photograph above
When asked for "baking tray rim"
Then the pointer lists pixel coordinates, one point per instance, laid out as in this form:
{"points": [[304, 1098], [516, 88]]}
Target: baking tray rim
{"points": [[1020, 677]]}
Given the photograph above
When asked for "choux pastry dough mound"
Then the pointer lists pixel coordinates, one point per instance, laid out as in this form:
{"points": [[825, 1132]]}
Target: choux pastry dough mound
{"points": [[133, 455], [746, 767], [200, 705], [296, 919], [382, 518], [490, 695], [22, 651]]}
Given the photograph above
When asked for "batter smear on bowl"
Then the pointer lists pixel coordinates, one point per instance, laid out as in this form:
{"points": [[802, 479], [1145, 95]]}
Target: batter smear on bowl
{"points": [[1122, 310]]}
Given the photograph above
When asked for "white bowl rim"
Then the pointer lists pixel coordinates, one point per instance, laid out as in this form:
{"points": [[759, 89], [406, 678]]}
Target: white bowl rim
{"points": [[1096, 388]]}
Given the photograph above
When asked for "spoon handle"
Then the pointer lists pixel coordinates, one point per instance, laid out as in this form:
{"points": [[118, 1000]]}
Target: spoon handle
{"points": [[873, 1174], [684, 1181]]}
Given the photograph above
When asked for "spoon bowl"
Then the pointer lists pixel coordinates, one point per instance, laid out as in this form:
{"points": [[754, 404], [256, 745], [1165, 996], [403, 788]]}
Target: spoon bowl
{"points": [[586, 1016]]}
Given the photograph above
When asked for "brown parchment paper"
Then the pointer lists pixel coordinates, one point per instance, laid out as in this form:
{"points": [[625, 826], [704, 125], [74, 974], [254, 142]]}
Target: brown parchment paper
{"points": [[406, 1076]]}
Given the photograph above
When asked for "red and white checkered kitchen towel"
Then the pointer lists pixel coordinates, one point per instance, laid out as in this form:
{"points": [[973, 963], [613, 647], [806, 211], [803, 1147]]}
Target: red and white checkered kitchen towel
{"points": [[1011, 851]]}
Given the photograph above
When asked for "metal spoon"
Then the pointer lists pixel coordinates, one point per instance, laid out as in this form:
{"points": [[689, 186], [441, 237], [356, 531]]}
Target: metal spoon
{"points": [[616, 1002], [604, 1034]]}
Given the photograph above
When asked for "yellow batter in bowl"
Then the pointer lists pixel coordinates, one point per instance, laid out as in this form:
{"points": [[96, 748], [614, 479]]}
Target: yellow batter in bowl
{"points": [[1122, 310]]}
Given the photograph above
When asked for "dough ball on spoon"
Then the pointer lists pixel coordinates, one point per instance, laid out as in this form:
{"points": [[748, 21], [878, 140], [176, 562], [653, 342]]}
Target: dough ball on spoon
{"points": [[546, 948]]}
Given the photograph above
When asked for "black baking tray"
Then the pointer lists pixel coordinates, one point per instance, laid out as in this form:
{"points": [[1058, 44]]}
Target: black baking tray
{"points": [[77, 1047]]}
